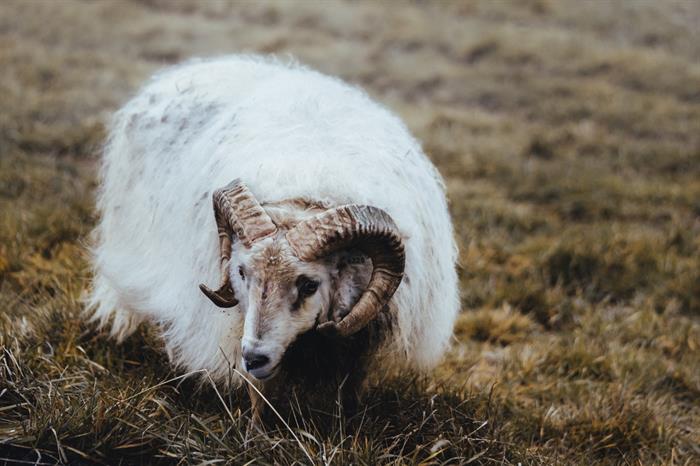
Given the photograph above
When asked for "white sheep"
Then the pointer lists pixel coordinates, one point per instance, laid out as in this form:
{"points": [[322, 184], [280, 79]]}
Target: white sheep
{"points": [[332, 231]]}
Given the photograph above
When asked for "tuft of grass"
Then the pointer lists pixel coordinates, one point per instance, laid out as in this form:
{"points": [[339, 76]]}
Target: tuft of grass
{"points": [[503, 326]]}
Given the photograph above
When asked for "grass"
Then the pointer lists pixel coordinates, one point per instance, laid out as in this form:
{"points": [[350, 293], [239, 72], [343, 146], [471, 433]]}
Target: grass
{"points": [[568, 136]]}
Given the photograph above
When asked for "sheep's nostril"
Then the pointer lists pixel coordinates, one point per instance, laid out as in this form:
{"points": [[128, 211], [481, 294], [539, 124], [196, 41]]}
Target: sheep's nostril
{"points": [[254, 360]]}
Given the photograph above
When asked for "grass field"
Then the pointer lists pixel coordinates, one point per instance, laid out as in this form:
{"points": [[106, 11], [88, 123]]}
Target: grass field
{"points": [[569, 136]]}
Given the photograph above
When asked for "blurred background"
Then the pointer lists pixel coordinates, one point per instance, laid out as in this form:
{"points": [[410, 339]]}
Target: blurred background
{"points": [[568, 134]]}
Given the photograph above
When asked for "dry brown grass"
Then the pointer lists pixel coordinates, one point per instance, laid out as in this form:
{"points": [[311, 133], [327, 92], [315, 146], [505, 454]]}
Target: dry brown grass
{"points": [[569, 136]]}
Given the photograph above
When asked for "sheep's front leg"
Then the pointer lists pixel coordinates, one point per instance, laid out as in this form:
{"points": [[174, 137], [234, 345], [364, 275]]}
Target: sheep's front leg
{"points": [[256, 390]]}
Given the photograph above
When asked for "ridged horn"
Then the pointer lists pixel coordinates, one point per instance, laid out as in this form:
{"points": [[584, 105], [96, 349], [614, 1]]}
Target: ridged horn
{"points": [[238, 213], [368, 229]]}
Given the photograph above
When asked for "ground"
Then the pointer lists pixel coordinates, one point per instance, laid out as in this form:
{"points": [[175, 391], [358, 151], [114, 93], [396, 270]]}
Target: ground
{"points": [[569, 136]]}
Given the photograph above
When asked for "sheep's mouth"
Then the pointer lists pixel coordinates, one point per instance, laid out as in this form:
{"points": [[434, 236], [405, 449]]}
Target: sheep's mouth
{"points": [[265, 373]]}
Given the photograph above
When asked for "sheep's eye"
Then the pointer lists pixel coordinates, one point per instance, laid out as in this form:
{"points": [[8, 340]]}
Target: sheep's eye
{"points": [[241, 273], [306, 285]]}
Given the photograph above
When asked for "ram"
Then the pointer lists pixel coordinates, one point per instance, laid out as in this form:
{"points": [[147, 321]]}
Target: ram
{"points": [[330, 239]]}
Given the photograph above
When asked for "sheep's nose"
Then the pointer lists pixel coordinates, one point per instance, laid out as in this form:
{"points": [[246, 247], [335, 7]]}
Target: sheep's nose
{"points": [[254, 360]]}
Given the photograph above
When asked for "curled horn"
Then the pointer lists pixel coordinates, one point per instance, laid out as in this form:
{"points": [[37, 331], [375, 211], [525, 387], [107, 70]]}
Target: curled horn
{"points": [[368, 229], [238, 213]]}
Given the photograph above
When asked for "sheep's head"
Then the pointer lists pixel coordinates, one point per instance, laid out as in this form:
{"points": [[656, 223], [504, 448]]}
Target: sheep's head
{"points": [[289, 280]]}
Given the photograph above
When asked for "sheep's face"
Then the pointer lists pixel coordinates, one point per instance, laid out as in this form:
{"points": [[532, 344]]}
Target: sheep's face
{"points": [[282, 297]]}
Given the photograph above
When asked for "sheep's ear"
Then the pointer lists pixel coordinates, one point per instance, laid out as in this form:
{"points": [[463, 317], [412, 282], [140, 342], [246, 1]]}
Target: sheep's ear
{"points": [[351, 274]]}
